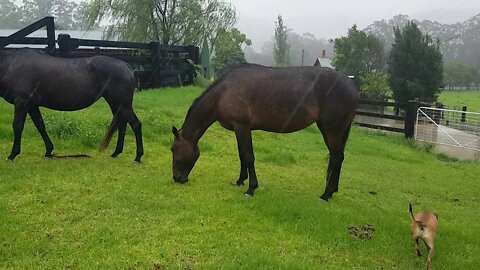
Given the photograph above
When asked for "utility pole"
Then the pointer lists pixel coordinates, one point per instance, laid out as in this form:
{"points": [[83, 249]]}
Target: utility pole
{"points": [[303, 56]]}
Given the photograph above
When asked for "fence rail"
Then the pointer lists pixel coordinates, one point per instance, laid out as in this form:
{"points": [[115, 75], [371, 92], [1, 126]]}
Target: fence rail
{"points": [[405, 123], [154, 64]]}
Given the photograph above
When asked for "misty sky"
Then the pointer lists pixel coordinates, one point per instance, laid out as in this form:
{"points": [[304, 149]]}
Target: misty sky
{"points": [[331, 19]]}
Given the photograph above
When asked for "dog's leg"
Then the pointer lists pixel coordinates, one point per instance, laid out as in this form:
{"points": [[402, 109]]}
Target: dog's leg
{"points": [[430, 248], [417, 248]]}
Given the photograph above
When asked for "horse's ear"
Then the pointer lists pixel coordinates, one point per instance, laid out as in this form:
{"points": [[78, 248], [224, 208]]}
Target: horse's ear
{"points": [[175, 131]]}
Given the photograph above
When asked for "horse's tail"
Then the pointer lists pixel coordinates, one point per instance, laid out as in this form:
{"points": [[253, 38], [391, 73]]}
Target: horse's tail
{"points": [[108, 136]]}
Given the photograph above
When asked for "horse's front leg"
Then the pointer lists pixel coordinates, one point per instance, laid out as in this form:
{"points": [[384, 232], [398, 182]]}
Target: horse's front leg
{"points": [[40, 125], [243, 168], [18, 124], [247, 158]]}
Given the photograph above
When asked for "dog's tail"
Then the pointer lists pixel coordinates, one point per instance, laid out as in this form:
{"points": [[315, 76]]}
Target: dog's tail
{"points": [[410, 210]]}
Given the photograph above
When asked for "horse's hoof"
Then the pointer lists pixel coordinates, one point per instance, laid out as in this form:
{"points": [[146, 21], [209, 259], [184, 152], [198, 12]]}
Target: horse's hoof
{"points": [[49, 156], [237, 184], [248, 195], [324, 198], [138, 162], [10, 159]]}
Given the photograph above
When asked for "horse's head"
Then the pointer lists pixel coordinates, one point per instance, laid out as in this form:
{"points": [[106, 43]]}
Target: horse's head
{"points": [[185, 154]]}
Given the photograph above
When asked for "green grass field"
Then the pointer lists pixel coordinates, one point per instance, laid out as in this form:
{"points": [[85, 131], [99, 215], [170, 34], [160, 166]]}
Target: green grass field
{"points": [[458, 99], [104, 213]]}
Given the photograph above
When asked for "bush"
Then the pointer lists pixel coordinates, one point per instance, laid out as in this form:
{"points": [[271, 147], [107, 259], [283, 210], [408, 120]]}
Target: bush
{"points": [[375, 86]]}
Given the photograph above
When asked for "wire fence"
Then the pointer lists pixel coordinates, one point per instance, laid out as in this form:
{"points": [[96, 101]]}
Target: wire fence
{"points": [[448, 127]]}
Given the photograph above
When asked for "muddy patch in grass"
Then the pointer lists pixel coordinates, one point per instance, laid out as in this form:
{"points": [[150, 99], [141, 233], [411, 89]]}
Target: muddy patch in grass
{"points": [[364, 232]]}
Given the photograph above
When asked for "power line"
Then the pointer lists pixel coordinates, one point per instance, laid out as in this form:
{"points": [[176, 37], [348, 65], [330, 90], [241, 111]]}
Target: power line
{"points": [[466, 32]]}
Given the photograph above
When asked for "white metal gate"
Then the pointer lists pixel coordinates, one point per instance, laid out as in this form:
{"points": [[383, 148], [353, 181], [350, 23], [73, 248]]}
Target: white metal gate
{"points": [[448, 127]]}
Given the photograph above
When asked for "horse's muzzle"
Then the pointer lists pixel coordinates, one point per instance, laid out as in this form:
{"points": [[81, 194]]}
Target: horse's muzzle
{"points": [[181, 180]]}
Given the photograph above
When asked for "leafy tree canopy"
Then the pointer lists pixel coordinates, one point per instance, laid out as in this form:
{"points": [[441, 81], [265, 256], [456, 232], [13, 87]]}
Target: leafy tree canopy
{"points": [[166, 21], [18, 14], [457, 74], [229, 50], [375, 86], [415, 65], [358, 54]]}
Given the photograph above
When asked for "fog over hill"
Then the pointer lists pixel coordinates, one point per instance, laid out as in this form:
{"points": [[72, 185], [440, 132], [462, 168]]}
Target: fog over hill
{"points": [[458, 42]]}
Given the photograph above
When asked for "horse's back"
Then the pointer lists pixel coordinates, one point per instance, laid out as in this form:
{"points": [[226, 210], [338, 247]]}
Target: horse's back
{"points": [[112, 69], [37, 64], [283, 99], [67, 83]]}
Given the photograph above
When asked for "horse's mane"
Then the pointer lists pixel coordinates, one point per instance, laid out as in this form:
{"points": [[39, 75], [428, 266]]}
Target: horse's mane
{"points": [[3, 53], [195, 102], [214, 84]]}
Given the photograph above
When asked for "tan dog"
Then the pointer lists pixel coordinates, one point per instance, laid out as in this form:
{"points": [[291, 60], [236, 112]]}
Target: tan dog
{"points": [[424, 226]]}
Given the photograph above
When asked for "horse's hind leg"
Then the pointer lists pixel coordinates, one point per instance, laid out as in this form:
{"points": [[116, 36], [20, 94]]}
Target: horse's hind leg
{"points": [[335, 140], [137, 129], [18, 125], [123, 113], [247, 158], [40, 125], [122, 129], [120, 117]]}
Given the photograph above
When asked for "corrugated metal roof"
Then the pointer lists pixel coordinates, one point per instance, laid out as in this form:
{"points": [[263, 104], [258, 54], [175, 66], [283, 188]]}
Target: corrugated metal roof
{"points": [[324, 62]]}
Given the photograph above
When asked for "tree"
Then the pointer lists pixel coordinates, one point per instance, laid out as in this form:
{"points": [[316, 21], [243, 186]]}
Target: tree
{"points": [[458, 74], [166, 21], [375, 86], [311, 46], [359, 54], [68, 15], [8, 14], [415, 65], [229, 49], [281, 47]]}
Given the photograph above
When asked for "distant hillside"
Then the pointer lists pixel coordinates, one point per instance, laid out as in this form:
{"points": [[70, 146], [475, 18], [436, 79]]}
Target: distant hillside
{"points": [[459, 42]]}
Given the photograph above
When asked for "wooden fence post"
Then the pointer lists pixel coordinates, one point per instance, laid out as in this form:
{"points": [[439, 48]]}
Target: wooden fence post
{"points": [[64, 47], [155, 79], [22, 33], [411, 118], [464, 115], [50, 24]]}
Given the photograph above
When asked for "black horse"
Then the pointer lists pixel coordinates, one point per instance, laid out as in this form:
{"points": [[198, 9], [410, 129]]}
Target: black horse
{"points": [[30, 79], [282, 100]]}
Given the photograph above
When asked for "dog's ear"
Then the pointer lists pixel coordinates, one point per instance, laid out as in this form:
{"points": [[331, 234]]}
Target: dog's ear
{"points": [[175, 131]]}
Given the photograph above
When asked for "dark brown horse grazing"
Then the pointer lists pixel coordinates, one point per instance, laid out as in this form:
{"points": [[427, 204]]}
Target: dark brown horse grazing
{"points": [[282, 100], [30, 79]]}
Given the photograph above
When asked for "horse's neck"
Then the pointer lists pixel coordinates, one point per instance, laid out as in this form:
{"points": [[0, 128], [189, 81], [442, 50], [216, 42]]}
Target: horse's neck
{"points": [[201, 116], [3, 67], [3, 64]]}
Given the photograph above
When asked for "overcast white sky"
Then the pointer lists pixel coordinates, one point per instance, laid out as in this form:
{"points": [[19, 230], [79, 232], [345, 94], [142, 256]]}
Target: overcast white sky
{"points": [[331, 19]]}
